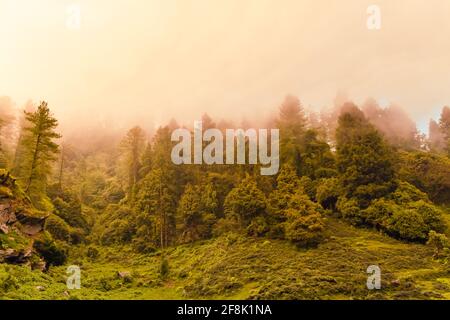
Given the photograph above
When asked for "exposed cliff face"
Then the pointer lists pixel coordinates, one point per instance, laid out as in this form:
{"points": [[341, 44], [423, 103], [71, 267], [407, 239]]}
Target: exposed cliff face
{"points": [[20, 223]]}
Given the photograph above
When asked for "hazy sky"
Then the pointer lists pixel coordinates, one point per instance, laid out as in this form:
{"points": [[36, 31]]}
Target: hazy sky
{"points": [[145, 61]]}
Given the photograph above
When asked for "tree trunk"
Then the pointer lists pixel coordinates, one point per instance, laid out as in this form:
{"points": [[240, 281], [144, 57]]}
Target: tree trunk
{"points": [[33, 163]]}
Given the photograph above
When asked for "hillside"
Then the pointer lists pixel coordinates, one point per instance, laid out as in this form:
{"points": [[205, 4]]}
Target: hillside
{"points": [[236, 267], [20, 225]]}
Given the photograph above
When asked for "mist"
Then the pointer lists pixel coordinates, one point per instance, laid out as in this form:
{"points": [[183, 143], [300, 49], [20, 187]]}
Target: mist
{"points": [[145, 62]]}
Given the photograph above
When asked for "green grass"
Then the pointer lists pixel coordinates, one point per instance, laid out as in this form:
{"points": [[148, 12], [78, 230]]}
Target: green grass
{"points": [[235, 267]]}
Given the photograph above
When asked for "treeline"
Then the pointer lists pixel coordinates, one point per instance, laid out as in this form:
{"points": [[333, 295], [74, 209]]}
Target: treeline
{"points": [[366, 165]]}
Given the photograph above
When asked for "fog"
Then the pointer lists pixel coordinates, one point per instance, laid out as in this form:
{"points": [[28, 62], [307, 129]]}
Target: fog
{"points": [[144, 62]]}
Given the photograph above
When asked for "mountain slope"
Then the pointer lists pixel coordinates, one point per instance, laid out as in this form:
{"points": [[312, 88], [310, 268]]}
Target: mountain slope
{"points": [[236, 267]]}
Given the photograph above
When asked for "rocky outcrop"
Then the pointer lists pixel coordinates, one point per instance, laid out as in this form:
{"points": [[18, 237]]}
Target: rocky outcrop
{"points": [[20, 222]]}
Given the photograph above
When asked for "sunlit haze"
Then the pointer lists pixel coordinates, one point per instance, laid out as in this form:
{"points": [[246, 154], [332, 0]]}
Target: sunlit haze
{"points": [[144, 62]]}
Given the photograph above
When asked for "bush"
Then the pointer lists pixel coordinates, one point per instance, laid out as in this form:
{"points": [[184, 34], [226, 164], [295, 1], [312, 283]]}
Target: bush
{"points": [[225, 225], [327, 193], [258, 227], [350, 210], [8, 282], [309, 186], [77, 236], [438, 241], [431, 215], [407, 224], [52, 253], [304, 223], [378, 212], [164, 268], [406, 193], [58, 228], [92, 252]]}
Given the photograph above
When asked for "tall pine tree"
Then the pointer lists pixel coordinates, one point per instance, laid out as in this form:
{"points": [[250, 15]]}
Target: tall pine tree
{"points": [[364, 159], [39, 151]]}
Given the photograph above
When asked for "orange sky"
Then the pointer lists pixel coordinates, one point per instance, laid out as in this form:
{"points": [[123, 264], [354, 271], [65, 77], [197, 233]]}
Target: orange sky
{"points": [[145, 61]]}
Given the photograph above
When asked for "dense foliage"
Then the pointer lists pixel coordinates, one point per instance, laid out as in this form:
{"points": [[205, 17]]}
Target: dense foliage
{"points": [[126, 190]]}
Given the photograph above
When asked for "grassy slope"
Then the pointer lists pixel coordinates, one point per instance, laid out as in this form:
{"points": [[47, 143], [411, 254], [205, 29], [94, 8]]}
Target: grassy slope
{"points": [[239, 268]]}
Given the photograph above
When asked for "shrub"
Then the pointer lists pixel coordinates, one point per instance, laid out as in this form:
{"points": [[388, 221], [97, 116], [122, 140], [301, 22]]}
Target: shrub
{"points": [[58, 228], [406, 193], [164, 268], [225, 225], [92, 252], [327, 193], [304, 223], [431, 215], [438, 241], [378, 212], [407, 224], [258, 227], [52, 253], [309, 186], [9, 283], [350, 210]]}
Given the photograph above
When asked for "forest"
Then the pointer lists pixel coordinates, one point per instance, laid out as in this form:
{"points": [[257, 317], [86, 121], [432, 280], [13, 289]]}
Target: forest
{"points": [[357, 186]]}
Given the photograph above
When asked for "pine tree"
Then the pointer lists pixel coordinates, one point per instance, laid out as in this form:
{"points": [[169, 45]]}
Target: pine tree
{"points": [[156, 199], [444, 125], [3, 160], [39, 150], [133, 148], [364, 159], [293, 215], [190, 215], [292, 122], [6, 119], [245, 202], [316, 158], [146, 161], [436, 138]]}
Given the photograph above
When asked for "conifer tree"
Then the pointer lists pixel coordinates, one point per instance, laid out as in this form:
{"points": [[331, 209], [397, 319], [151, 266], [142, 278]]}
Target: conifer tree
{"points": [[444, 124], [189, 212], [196, 212], [156, 199], [6, 119], [291, 122], [133, 148], [39, 150], [293, 215], [245, 202], [364, 159]]}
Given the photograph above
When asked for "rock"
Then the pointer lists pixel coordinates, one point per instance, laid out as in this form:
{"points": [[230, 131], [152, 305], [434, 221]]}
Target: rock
{"points": [[123, 274], [395, 282], [40, 288], [4, 228], [20, 218], [15, 257]]}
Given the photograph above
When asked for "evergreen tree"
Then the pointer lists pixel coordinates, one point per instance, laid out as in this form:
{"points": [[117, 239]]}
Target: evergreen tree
{"points": [[245, 202], [444, 124], [133, 148], [316, 158], [155, 199], [6, 119], [39, 150], [293, 215], [364, 159], [291, 122], [436, 138], [146, 161], [189, 212]]}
